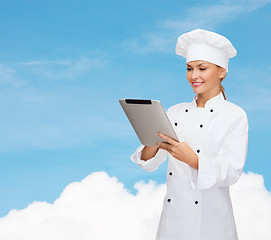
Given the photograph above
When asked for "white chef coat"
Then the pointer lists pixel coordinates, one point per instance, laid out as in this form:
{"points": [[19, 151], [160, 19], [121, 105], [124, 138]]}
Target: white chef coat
{"points": [[197, 205]]}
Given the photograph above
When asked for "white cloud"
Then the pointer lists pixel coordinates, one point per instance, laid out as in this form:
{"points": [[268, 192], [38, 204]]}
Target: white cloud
{"points": [[207, 17], [204, 17], [63, 68], [252, 207], [18, 74], [100, 207]]}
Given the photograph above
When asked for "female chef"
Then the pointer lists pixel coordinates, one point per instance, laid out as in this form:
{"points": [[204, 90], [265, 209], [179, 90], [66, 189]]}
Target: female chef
{"points": [[211, 151]]}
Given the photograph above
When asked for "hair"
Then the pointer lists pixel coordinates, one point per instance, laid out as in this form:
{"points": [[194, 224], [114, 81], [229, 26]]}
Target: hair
{"points": [[222, 89]]}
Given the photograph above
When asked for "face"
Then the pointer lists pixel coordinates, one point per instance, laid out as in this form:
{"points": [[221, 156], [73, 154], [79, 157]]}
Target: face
{"points": [[204, 77]]}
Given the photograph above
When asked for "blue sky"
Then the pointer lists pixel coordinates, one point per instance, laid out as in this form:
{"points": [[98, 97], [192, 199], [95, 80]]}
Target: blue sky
{"points": [[65, 64]]}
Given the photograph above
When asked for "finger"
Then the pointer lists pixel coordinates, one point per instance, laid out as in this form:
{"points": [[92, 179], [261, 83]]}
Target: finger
{"points": [[167, 138], [166, 149], [163, 145]]}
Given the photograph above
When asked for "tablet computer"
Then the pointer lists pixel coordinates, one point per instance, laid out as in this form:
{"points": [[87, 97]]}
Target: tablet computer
{"points": [[148, 117]]}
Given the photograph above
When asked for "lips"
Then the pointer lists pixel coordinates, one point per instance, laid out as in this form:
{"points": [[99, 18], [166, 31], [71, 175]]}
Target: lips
{"points": [[196, 84]]}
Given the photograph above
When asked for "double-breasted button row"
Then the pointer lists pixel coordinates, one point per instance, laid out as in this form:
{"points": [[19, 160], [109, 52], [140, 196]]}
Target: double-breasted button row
{"points": [[169, 200], [211, 110]]}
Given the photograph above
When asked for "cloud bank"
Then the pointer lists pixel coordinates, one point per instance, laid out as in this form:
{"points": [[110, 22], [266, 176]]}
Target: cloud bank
{"points": [[100, 207]]}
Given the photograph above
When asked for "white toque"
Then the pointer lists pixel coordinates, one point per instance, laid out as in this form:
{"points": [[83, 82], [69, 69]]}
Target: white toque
{"points": [[207, 46]]}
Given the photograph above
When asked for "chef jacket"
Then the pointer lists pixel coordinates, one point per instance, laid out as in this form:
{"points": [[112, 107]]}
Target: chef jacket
{"points": [[197, 205]]}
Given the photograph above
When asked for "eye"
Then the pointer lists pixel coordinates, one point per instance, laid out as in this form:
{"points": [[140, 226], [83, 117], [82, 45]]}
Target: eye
{"points": [[188, 69], [202, 69]]}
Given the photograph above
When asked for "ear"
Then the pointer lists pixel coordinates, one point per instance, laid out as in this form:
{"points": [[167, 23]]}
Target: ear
{"points": [[222, 72]]}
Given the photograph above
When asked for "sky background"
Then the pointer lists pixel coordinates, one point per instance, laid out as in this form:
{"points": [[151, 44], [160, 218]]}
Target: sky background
{"points": [[65, 64]]}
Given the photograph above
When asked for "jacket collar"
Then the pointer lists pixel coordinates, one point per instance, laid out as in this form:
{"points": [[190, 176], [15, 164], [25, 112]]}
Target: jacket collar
{"points": [[211, 103]]}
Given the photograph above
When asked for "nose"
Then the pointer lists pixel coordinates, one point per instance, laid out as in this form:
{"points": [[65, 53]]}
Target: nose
{"points": [[194, 74]]}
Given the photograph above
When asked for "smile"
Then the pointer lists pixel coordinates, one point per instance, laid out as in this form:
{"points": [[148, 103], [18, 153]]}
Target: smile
{"points": [[197, 84]]}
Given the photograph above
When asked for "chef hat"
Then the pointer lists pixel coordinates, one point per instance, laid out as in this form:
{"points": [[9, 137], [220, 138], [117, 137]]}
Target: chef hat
{"points": [[207, 46]]}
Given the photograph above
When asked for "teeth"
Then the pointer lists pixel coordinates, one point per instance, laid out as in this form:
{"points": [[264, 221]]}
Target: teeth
{"points": [[197, 84]]}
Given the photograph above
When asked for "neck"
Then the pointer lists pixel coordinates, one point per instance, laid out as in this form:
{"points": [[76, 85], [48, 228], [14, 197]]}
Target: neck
{"points": [[204, 97]]}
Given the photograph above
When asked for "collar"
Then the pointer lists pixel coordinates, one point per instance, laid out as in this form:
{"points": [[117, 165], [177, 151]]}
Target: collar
{"points": [[212, 102]]}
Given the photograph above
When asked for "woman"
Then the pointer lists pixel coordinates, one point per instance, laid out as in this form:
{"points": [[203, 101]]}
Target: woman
{"points": [[212, 147]]}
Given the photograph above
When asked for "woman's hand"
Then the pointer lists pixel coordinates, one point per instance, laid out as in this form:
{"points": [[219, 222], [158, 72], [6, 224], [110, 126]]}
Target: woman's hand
{"points": [[179, 150]]}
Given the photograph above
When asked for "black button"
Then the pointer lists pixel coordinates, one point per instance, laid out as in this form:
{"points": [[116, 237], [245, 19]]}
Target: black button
{"points": [[201, 125], [186, 110], [176, 124], [196, 202], [211, 110], [169, 200], [198, 151], [170, 173]]}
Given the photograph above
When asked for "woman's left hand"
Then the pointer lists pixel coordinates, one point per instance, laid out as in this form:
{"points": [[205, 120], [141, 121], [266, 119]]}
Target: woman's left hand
{"points": [[179, 150]]}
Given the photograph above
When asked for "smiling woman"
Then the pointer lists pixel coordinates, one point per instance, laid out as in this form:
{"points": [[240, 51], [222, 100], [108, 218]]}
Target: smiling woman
{"points": [[205, 79], [211, 154]]}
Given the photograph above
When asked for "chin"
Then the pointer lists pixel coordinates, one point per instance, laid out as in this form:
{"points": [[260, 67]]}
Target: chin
{"points": [[197, 91]]}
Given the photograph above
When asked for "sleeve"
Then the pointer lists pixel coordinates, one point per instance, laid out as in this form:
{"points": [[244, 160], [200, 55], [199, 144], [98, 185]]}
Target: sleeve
{"points": [[225, 168], [153, 163]]}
